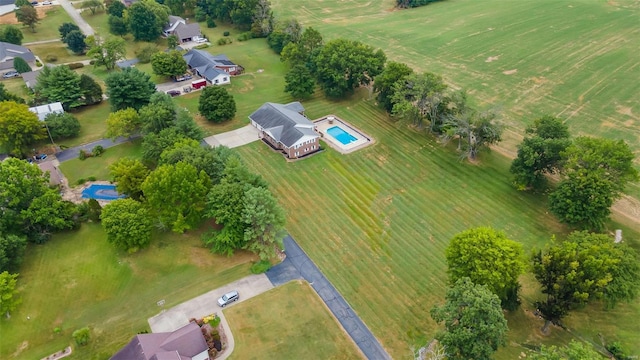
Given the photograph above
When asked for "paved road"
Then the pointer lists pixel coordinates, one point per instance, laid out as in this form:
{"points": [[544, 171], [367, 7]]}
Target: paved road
{"points": [[298, 264], [72, 153], [75, 15]]}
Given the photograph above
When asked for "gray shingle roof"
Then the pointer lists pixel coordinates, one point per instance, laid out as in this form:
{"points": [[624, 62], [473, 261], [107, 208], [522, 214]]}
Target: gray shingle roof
{"points": [[284, 123], [205, 63], [10, 51], [185, 31]]}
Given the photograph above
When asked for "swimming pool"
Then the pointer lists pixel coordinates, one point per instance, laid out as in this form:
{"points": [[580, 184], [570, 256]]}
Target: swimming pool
{"points": [[339, 134], [101, 192]]}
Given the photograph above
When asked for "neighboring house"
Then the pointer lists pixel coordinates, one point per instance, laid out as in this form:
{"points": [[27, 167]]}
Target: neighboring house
{"points": [[128, 3], [31, 79], [217, 69], [184, 32], [43, 110], [7, 6], [186, 343], [286, 128], [10, 51]]}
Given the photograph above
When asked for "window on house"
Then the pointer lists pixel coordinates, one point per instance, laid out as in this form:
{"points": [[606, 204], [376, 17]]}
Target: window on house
{"points": [[224, 79], [216, 81]]}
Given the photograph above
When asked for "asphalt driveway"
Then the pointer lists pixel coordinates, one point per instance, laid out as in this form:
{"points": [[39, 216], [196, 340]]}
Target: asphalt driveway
{"points": [[235, 138]]}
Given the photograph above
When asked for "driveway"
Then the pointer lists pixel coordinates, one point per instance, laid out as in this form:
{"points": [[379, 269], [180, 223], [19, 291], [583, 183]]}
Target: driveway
{"points": [[235, 138], [206, 304], [298, 264], [75, 15], [72, 153]]}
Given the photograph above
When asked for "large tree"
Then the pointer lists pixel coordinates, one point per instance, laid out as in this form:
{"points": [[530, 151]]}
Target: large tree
{"points": [[127, 224], [123, 123], [129, 174], [20, 184], [19, 127], [597, 171], [146, 19], [21, 65], [159, 114], [116, 9], [168, 64], [65, 29], [540, 152], [176, 195], [106, 52], [418, 98], [210, 160], [582, 268], [117, 25], [62, 125], [264, 223], [299, 82], [7, 96], [343, 65], [216, 104], [304, 50], [130, 88], [92, 5], [263, 21], [385, 83], [154, 144], [12, 249], [12, 35], [76, 41], [61, 84], [91, 90], [487, 257], [474, 131], [28, 16], [46, 214], [474, 323], [9, 299]]}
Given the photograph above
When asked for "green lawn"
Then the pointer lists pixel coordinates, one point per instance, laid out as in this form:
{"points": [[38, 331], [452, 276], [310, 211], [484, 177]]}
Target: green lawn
{"points": [[77, 279], [577, 60], [288, 322], [93, 124], [59, 50], [99, 166], [377, 222], [99, 22], [47, 28]]}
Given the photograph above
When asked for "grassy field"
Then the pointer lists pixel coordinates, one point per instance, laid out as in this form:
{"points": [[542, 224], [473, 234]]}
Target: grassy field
{"points": [[78, 279], [93, 124], [47, 28], [59, 50], [75, 169], [572, 59], [377, 222], [288, 322]]}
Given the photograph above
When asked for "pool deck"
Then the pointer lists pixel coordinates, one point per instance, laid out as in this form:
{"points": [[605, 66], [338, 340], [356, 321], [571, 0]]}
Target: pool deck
{"points": [[362, 139]]}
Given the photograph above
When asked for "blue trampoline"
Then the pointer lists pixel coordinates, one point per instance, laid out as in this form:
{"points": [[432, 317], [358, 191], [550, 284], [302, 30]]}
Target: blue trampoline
{"points": [[101, 192]]}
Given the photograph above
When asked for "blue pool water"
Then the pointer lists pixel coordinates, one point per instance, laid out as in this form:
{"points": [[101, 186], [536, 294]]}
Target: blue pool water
{"points": [[101, 192], [344, 137]]}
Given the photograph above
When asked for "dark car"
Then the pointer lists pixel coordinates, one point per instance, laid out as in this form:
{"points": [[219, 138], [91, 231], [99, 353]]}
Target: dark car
{"points": [[34, 3], [11, 74], [173, 92], [40, 157]]}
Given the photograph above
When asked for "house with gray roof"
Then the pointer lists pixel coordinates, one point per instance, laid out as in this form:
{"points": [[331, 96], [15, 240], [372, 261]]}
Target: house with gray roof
{"points": [[216, 69], [285, 128], [184, 32], [8, 52], [186, 343]]}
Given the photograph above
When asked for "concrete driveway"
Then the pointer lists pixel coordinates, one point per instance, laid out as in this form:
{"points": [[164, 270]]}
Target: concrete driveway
{"points": [[206, 304], [235, 138], [75, 15]]}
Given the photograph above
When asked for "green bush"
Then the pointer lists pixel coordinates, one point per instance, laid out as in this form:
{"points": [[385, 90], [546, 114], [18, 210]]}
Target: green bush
{"points": [[245, 36], [38, 63], [260, 267], [226, 33], [81, 336], [98, 150], [76, 65], [211, 23], [201, 46], [81, 181], [144, 54], [92, 62], [51, 58], [224, 41], [57, 330], [91, 178], [82, 155], [618, 352]]}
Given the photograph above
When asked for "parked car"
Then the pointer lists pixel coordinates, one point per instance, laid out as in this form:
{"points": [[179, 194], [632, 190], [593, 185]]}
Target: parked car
{"points": [[40, 157], [47, 3], [184, 77], [11, 74], [34, 3], [228, 298], [173, 92], [200, 40]]}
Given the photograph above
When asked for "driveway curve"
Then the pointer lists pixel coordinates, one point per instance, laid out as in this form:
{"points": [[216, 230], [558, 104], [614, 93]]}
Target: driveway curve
{"points": [[77, 18]]}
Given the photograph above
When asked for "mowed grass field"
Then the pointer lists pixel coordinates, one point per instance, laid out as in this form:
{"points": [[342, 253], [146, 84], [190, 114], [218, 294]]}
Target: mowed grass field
{"points": [[574, 59], [78, 279], [377, 222], [288, 322]]}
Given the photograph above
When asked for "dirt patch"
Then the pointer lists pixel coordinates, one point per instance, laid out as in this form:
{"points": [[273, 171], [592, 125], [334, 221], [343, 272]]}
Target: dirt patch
{"points": [[23, 346], [625, 110], [201, 257], [10, 18], [492, 58], [510, 72]]}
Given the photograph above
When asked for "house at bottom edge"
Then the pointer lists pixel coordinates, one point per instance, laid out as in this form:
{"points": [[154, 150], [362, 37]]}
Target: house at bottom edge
{"points": [[186, 343], [286, 128]]}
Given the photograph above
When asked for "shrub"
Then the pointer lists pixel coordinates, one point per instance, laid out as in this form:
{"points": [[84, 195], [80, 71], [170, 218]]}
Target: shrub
{"points": [[245, 36], [62, 125], [92, 62], [83, 155], [81, 181], [224, 41], [226, 33], [81, 336], [76, 65], [616, 349], [98, 150], [57, 330], [51, 58], [211, 23], [260, 267], [144, 54], [94, 208], [91, 178], [201, 46], [38, 63]]}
